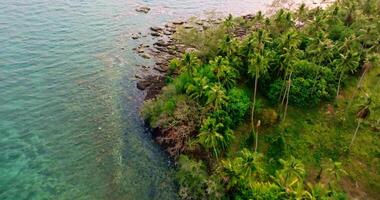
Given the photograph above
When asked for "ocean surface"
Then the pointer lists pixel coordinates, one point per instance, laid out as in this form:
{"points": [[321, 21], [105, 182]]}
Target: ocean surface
{"points": [[69, 107]]}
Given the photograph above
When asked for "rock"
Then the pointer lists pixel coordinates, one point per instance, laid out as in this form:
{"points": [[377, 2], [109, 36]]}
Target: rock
{"points": [[168, 32], [200, 23], [143, 9], [161, 68], [190, 50], [161, 43], [135, 37], [140, 50], [146, 56], [143, 84], [155, 34], [178, 23], [156, 29], [138, 76], [188, 26], [158, 82]]}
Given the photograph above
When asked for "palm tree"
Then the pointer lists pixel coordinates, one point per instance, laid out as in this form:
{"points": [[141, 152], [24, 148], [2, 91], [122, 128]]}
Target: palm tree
{"points": [[229, 23], [225, 74], [258, 66], [361, 115], [216, 96], [198, 87], [190, 62], [347, 62], [290, 55], [335, 172], [250, 163], [211, 136], [292, 172]]}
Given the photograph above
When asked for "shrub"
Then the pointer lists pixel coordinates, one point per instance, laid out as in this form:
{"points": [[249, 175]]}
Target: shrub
{"points": [[269, 117], [238, 105]]}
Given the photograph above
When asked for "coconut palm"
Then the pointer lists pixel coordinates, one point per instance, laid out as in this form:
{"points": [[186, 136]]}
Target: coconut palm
{"points": [[250, 163], [190, 62], [216, 96], [290, 54], [346, 63], [198, 87], [258, 66], [335, 172], [292, 172], [225, 74], [361, 115], [211, 136]]}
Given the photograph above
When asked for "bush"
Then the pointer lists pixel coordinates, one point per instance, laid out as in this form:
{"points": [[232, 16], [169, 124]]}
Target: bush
{"points": [[269, 117], [238, 105]]}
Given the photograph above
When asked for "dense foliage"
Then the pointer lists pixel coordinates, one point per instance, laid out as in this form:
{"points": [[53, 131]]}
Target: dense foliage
{"points": [[221, 98]]}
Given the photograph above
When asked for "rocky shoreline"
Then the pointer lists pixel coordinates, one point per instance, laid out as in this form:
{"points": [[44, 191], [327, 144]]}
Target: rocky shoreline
{"points": [[164, 49]]}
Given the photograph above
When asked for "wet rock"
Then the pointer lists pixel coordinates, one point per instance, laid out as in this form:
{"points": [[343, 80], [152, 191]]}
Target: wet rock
{"points": [[161, 43], [155, 34], [135, 37], [178, 23], [143, 84], [156, 29], [142, 9], [166, 32], [158, 82], [161, 68]]}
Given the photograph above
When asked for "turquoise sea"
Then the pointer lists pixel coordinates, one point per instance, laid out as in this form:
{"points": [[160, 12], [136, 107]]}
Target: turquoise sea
{"points": [[69, 121]]}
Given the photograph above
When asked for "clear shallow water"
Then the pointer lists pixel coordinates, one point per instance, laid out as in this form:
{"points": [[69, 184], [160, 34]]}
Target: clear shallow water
{"points": [[69, 124]]}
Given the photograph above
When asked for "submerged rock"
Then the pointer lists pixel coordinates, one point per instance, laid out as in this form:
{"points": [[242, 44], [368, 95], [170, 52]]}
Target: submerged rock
{"points": [[146, 56], [142, 9], [135, 37]]}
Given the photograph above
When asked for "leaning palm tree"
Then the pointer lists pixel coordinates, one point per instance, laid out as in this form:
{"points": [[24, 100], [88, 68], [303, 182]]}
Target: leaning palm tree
{"points": [[361, 115], [346, 63]]}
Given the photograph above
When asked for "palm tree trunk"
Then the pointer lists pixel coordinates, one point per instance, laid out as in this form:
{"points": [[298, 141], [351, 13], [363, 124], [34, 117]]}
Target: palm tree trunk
{"points": [[256, 139], [340, 80], [356, 91], [254, 102], [356, 131], [287, 95], [282, 88]]}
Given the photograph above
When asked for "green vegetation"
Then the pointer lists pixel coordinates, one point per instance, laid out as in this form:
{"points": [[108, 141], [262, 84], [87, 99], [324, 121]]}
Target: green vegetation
{"points": [[288, 110]]}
